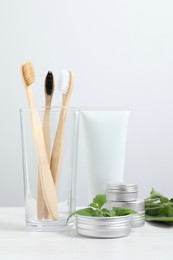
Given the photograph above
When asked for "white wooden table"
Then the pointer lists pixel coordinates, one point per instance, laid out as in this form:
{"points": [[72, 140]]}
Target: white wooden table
{"points": [[147, 242]]}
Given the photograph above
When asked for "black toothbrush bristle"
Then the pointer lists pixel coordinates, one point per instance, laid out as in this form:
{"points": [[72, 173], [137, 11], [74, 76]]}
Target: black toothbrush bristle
{"points": [[49, 83]]}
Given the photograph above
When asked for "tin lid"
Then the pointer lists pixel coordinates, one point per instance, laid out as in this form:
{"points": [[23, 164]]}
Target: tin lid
{"points": [[137, 205], [122, 187]]}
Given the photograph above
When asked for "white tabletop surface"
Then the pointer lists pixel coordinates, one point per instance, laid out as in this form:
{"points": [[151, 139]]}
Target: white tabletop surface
{"points": [[147, 242]]}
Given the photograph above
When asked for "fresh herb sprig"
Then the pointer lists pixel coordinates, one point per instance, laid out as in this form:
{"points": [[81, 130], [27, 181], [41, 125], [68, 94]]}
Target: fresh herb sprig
{"points": [[159, 208], [96, 209]]}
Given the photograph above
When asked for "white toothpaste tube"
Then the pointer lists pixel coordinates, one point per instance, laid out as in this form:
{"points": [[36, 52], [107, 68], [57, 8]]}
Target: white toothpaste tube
{"points": [[103, 131]]}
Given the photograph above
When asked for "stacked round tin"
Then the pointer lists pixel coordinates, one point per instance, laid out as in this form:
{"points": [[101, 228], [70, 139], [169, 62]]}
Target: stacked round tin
{"points": [[125, 195], [118, 195], [103, 227]]}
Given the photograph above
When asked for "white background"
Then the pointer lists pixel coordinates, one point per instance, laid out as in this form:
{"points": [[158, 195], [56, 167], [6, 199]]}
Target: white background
{"points": [[121, 52]]}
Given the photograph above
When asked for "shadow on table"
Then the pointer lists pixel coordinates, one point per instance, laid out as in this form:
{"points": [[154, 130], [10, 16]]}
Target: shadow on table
{"points": [[74, 234], [160, 224]]}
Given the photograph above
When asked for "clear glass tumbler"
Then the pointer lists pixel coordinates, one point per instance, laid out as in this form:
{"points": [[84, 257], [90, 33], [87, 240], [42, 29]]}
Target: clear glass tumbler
{"points": [[65, 188]]}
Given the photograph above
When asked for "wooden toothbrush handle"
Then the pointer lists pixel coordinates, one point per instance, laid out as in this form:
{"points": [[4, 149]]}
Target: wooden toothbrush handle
{"points": [[47, 184], [56, 158], [46, 131], [57, 151], [41, 206]]}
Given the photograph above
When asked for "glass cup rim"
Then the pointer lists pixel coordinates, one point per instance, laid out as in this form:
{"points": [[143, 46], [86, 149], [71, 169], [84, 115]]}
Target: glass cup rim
{"points": [[53, 108]]}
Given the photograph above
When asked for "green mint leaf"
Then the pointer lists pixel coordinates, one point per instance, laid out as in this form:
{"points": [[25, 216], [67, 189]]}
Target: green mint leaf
{"points": [[167, 210], [152, 203], [159, 218], [100, 200], [156, 195], [96, 209], [99, 213], [112, 213], [159, 208], [149, 201], [106, 212], [164, 199], [153, 210], [82, 212], [93, 205], [123, 211]]}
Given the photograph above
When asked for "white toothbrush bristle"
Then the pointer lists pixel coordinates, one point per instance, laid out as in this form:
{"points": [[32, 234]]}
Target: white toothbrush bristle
{"points": [[64, 81]]}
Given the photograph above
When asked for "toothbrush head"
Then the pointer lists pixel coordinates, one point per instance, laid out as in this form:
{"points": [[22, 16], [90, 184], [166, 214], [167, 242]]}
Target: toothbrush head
{"points": [[28, 73], [49, 84], [64, 81]]}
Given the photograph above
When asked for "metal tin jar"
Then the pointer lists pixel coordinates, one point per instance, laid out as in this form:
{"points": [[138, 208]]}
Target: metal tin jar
{"points": [[103, 227], [137, 220], [121, 192]]}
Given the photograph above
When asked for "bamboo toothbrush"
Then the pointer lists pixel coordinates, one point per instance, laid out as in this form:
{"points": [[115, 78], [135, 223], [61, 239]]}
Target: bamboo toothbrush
{"points": [[48, 188], [49, 89], [66, 83]]}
